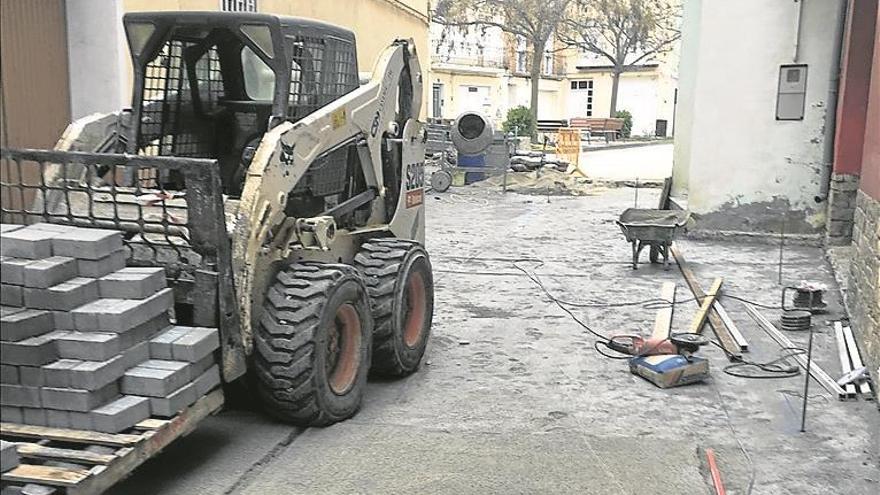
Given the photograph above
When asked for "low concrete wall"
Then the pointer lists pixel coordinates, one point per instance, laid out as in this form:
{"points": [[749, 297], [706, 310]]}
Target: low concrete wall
{"points": [[863, 296]]}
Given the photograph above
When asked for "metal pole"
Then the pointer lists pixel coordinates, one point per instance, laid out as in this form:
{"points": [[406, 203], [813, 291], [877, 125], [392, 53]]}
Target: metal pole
{"points": [[807, 381], [636, 200], [781, 246]]}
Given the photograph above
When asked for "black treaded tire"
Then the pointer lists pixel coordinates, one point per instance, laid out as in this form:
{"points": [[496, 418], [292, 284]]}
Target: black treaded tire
{"points": [[401, 287], [310, 310]]}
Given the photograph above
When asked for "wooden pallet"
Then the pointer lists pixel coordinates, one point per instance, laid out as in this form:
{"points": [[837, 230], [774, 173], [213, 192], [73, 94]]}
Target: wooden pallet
{"points": [[97, 471]]}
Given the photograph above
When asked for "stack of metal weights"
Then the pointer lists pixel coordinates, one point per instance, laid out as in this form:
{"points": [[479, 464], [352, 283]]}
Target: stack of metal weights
{"points": [[796, 320]]}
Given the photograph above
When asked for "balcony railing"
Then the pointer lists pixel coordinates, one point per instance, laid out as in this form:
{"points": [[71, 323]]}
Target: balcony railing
{"points": [[490, 62]]}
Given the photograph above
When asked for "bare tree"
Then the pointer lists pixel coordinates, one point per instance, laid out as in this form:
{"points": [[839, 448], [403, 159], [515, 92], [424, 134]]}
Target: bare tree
{"points": [[535, 21], [626, 32]]}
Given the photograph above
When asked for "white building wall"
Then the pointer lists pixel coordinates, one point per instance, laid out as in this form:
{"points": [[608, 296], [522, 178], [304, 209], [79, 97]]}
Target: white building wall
{"points": [[97, 53], [639, 95], [741, 167]]}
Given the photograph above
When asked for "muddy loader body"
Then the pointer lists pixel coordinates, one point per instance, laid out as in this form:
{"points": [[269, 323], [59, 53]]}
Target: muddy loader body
{"points": [[284, 199]]}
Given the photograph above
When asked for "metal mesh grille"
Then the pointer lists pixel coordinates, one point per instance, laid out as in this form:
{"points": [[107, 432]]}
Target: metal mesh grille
{"points": [[326, 175], [169, 124], [94, 190], [323, 69]]}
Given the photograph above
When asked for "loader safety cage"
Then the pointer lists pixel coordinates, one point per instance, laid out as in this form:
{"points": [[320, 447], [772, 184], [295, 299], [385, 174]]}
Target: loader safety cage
{"points": [[182, 230]]}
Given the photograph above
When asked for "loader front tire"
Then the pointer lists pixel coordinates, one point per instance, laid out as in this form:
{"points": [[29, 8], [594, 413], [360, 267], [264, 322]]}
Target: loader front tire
{"points": [[313, 344], [401, 288]]}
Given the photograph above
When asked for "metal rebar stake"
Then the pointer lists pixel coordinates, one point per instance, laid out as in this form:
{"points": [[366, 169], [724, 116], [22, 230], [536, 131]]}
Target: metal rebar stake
{"points": [[807, 381], [636, 199], [781, 246]]}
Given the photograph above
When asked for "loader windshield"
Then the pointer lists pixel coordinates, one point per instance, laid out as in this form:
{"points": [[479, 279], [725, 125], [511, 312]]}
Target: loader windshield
{"points": [[259, 80]]}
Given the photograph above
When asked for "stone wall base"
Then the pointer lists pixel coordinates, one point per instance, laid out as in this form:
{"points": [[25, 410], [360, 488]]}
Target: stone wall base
{"points": [[863, 294], [841, 208]]}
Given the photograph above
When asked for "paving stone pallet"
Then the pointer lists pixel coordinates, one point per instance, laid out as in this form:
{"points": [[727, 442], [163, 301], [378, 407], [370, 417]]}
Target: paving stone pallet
{"points": [[87, 347], [84, 462]]}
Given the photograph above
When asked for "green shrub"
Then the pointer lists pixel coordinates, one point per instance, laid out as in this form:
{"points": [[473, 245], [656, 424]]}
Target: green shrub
{"points": [[627, 122], [519, 119]]}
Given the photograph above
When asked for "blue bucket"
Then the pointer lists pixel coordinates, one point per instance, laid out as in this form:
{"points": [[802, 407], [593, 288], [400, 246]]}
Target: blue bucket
{"points": [[472, 161]]}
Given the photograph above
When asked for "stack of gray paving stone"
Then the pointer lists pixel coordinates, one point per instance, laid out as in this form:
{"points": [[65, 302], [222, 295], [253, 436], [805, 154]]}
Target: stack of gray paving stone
{"points": [[86, 342], [8, 456]]}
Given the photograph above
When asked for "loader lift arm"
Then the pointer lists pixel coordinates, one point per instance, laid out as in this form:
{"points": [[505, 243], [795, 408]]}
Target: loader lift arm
{"points": [[371, 117]]}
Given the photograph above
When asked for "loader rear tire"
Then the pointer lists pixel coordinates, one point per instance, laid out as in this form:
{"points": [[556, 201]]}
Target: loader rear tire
{"points": [[313, 344], [401, 288]]}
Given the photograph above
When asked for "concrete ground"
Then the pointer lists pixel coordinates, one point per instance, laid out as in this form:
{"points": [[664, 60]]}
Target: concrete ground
{"points": [[651, 162], [513, 398]]}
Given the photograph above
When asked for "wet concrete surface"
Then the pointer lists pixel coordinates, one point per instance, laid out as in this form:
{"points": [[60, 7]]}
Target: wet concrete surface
{"points": [[513, 398]]}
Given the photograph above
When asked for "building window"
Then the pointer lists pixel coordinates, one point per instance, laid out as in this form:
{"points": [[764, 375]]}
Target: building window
{"points": [[585, 86], [548, 63], [238, 5], [521, 61], [521, 65]]}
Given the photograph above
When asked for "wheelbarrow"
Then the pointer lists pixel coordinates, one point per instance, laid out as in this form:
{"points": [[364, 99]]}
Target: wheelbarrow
{"points": [[654, 228]]}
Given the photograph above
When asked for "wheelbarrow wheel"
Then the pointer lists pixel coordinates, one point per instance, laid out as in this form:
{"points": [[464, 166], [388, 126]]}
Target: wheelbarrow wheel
{"points": [[441, 180]]}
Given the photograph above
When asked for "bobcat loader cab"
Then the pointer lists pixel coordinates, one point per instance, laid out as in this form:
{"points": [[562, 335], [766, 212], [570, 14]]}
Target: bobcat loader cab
{"points": [[284, 199]]}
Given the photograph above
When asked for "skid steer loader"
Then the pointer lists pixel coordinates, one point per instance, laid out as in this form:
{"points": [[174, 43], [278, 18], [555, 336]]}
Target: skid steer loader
{"points": [[284, 199]]}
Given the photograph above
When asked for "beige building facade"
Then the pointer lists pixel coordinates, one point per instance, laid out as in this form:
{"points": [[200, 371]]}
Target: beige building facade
{"points": [[486, 70]]}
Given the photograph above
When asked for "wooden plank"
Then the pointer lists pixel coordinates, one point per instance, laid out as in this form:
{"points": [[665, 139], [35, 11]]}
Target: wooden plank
{"points": [[664, 194], [700, 318], [104, 477], [815, 371], [151, 424], [857, 363], [731, 326], [663, 322], [66, 435], [45, 475], [843, 355], [34, 451], [730, 346]]}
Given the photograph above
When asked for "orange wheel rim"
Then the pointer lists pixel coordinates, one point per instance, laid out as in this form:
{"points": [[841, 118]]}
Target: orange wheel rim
{"points": [[343, 349], [416, 302]]}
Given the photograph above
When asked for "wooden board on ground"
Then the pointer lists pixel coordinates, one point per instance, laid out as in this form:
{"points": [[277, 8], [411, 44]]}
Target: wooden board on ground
{"points": [[730, 346], [816, 372], [700, 318], [857, 363], [843, 355], [732, 328], [99, 471], [663, 322], [664, 194]]}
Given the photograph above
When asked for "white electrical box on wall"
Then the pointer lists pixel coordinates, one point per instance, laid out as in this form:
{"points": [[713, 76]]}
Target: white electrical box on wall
{"points": [[792, 93]]}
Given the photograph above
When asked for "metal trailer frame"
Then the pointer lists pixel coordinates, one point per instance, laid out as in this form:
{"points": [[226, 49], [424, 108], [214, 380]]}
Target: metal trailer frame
{"points": [[182, 231]]}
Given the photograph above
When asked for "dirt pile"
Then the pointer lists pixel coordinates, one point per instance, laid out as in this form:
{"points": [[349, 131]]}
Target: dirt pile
{"points": [[546, 181]]}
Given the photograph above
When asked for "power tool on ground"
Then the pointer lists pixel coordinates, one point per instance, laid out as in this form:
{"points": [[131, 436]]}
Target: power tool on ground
{"points": [[665, 362]]}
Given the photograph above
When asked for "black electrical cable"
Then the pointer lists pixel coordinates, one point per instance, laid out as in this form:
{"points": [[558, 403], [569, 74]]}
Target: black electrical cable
{"points": [[768, 370], [652, 303]]}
